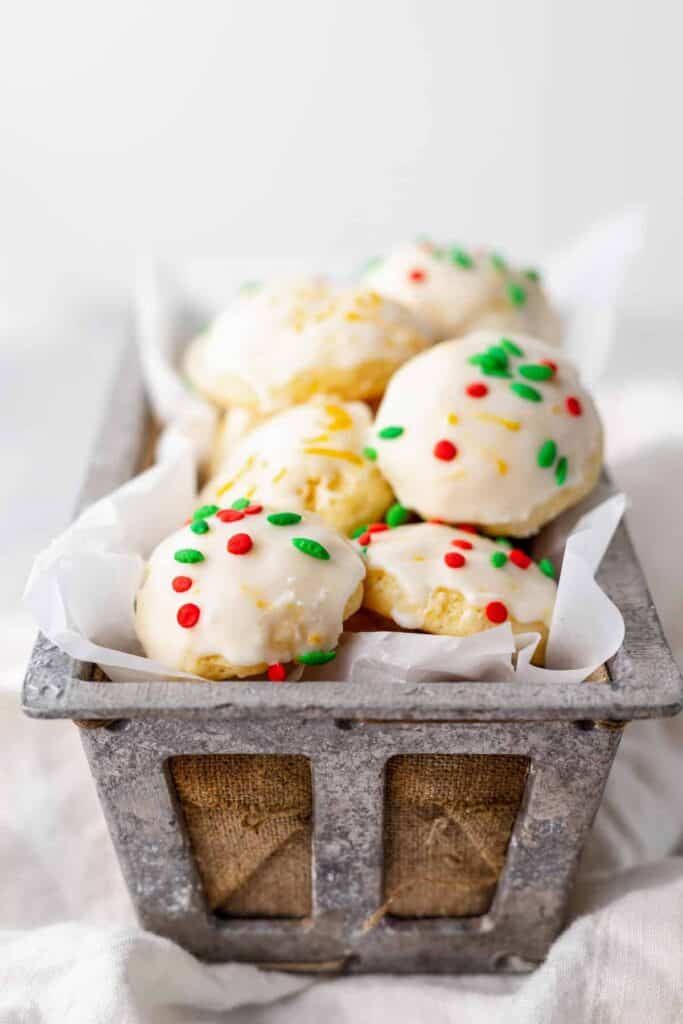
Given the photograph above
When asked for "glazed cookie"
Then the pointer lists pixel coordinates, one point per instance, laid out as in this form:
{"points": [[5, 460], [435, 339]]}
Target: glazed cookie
{"points": [[244, 590], [289, 341], [308, 459], [455, 582], [494, 430], [457, 290]]}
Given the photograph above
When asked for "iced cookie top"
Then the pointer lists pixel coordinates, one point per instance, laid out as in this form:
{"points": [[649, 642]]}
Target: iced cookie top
{"points": [[252, 585], [291, 339], [456, 290], [486, 429], [316, 446], [491, 575]]}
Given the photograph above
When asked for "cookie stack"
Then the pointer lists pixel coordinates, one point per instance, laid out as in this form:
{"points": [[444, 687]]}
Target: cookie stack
{"points": [[387, 446]]}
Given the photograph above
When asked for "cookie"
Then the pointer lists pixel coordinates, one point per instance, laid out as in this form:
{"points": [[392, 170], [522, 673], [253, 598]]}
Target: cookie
{"points": [[245, 590], [289, 341], [454, 582], [310, 458], [491, 429], [457, 290]]}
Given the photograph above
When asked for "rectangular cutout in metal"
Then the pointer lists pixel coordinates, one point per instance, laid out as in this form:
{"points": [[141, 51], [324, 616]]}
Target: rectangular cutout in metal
{"points": [[447, 824], [249, 819]]}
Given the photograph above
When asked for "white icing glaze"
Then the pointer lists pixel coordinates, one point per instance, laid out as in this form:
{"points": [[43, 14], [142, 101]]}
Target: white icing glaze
{"points": [[494, 477], [268, 337], [265, 606], [455, 299], [319, 442], [414, 556]]}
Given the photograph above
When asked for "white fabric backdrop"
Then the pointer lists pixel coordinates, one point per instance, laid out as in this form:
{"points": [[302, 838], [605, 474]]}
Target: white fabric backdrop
{"points": [[69, 948]]}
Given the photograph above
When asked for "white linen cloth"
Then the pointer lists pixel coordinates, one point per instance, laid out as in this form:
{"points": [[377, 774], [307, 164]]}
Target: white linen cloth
{"points": [[70, 950]]}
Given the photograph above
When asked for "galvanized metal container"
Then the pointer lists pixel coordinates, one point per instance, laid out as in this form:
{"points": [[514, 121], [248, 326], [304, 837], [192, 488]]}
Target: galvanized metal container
{"points": [[560, 740]]}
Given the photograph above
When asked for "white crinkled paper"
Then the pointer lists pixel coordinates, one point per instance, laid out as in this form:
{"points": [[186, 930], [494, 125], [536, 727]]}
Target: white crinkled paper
{"points": [[82, 587]]}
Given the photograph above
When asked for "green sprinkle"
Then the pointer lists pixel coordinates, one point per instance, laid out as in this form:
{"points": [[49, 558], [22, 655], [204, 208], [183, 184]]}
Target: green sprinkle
{"points": [[546, 454], [240, 503], [498, 355], [311, 547], [397, 516], [204, 511], [188, 555], [532, 275], [357, 532], [438, 254], [364, 551], [373, 264], [516, 294], [370, 454], [561, 470], [505, 542], [511, 347], [498, 559], [535, 371], [316, 657], [497, 261], [284, 518], [526, 391], [547, 568], [493, 369], [461, 258], [389, 433], [199, 526]]}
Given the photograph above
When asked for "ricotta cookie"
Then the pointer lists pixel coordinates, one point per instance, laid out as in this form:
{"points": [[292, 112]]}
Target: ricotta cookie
{"points": [[245, 590], [457, 290], [455, 582], [310, 458], [493, 429], [289, 341]]}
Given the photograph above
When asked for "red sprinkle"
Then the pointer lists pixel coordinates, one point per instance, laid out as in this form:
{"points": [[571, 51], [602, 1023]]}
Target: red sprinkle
{"points": [[230, 515], [188, 616], [496, 612], [439, 522], [240, 544], [464, 544], [477, 390], [378, 528], [519, 558], [276, 672], [573, 405], [466, 527], [454, 560], [417, 275], [181, 583], [549, 362], [445, 450], [364, 539], [252, 510]]}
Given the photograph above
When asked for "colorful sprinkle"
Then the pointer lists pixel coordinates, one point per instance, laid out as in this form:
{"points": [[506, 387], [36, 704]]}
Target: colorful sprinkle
{"points": [[511, 347], [436, 521], [466, 545], [498, 559], [364, 539], [417, 275], [516, 294], [377, 528], [205, 511], [335, 453], [311, 547], [397, 515], [370, 454], [199, 526], [477, 390], [535, 371], [240, 544], [188, 616], [519, 558], [561, 471], [547, 568], [389, 433], [445, 450], [490, 417], [497, 261], [466, 527], [181, 583], [546, 454], [240, 503], [461, 258], [505, 542], [358, 531], [230, 515], [276, 672], [573, 405], [284, 518], [454, 560], [188, 555], [526, 391], [532, 275], [253, 510], [316, 657], [372, 264], [496, 612]]}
